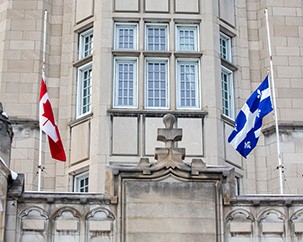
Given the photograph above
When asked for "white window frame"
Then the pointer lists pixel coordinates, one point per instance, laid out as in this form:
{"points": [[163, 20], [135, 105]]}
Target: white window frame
{"points": [[77, 180], [151, 25], [119, 25], [197, 83], [230, 110], [227, 39], [167, 94], [194, 27], [116, 83], [82, 43], [80, 87]]}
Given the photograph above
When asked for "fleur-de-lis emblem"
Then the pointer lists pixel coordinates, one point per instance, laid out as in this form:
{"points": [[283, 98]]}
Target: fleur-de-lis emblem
{"points": [[235, 128], [259, 112], [247, 145], [259, 94]]}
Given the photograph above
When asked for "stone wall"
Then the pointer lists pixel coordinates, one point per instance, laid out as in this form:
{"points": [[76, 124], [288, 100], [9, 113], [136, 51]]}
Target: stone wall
{"points": [[60, 217], [264, 218]]}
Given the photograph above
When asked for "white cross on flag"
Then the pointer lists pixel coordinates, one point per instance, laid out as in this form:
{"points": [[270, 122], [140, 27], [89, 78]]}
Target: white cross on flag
{"points": [[48, 124]]}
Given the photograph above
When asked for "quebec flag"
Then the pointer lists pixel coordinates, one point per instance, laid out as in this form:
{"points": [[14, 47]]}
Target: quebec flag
{"points": [[248, 123]]}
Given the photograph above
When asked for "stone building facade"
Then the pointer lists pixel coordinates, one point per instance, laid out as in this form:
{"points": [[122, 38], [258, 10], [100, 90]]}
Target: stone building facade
{"points": [[157, 200], [115, 67]]}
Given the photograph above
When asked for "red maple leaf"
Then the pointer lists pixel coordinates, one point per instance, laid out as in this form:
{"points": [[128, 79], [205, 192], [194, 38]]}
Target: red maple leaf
{"points": [[48, 112]]}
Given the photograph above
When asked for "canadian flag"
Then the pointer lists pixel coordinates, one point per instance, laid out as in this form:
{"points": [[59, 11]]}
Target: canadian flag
{"points": [[48, 124]]}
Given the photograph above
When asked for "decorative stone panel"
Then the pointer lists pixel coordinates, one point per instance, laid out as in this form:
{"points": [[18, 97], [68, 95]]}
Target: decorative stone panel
{"points": [[66, 225], [84, 9], [125, 136], [193, 135], [80, 150], [127, 5], [150, 134], [156, 6], [33, 224], [296, 226], [187, 6], [160, 210], [239, 226], [99, 225], [272, 225], [227, 11]]}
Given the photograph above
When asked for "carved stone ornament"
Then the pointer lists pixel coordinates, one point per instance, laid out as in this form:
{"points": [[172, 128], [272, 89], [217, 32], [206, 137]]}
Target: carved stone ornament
{"points": [[171, 157]]}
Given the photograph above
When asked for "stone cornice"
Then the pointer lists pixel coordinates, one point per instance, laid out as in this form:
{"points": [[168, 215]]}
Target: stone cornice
{"points": [[268, 200], [71, 197], [156, 113], [284, 127], [26, 122]]}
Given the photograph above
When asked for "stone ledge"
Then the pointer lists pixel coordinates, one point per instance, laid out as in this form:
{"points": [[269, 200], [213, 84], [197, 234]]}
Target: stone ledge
{"points": [[26, 122], [284, 127], [267, 200], [70, 197], [156, 113]]}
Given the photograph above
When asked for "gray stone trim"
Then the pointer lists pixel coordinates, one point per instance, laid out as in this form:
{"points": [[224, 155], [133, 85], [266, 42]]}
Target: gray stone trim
{"points": [[72, 197], [267, 200], [155, 113], [25, 122], [284, 127]]}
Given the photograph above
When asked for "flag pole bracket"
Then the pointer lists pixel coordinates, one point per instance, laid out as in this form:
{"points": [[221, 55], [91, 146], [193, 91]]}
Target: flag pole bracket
{"points": [[41, 167]]}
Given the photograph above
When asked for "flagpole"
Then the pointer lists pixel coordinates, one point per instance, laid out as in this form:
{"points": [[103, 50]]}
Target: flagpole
{"points": [[280, 167], [43, 77]]}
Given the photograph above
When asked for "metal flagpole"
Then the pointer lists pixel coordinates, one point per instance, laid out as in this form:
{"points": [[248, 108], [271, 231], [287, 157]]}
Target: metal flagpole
{"points": [[43, 77], [280, 167]]}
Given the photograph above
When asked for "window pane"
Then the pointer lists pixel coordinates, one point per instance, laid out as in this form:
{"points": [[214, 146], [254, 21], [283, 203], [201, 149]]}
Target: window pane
{"points": [[84, 90], [126, 36], [188, 84], [225, 47], [227, 94], [86, 43], [81, 183], [125, 79], [156, 84], [156, 38], [187, 38]]}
